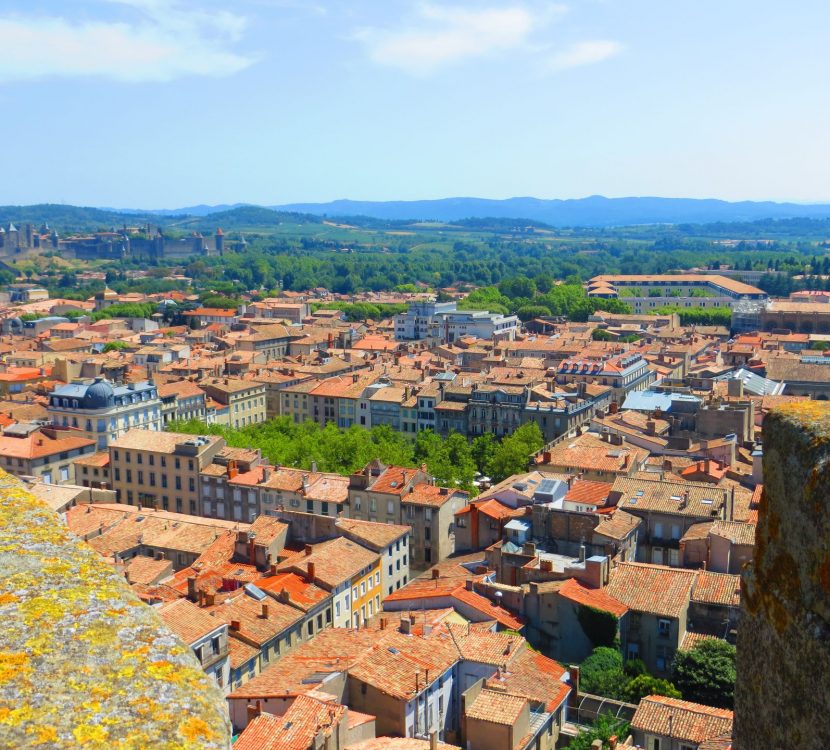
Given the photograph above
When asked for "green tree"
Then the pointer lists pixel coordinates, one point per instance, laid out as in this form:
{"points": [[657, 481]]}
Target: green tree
{"points": [[484, 449], [600, 334], [604, 728], [513, 453], [602, 673], [706, 673], [642, 685], [114, 346]]}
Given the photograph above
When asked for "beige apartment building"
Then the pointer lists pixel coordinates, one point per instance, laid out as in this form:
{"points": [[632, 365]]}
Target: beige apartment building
{"points": [[397, 495], [244, 399], [161, 468]]}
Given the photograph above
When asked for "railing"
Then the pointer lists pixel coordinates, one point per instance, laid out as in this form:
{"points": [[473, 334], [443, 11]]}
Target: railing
{"points": [[83, 662]]}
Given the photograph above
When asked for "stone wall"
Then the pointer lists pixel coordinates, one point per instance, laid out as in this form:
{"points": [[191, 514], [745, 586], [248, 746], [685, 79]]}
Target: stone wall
{"points": [[783, 691], [83, 662]]}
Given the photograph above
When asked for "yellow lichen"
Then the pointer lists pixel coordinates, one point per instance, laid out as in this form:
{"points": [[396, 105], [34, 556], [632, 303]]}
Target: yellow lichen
{"points": [[44, 735], [193, 728], [87, 733], [13, 666]]}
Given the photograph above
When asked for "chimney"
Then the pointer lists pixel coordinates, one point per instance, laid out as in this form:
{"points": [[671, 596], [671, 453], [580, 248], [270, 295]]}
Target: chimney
{"points": [[210, 598], [582, 553], [254, 711], [191, 588], [311, 572], [433, 740], [573, 679], [383, 623], [273, 569], [235, 625], [436, 574], [651, 427], [308, 549], [264, 611], [313, 467], [469, 584], [406, 628]]}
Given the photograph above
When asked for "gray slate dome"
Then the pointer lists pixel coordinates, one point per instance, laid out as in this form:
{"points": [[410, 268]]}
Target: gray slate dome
{"points": [[99, 395]]}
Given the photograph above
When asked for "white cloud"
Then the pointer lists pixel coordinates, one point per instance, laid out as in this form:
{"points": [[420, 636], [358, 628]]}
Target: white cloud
{"points": [[585, 53], [443, 35], [156, 40]]}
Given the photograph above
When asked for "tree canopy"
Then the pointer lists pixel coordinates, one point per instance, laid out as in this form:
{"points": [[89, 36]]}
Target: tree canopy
{"points": [[706, 673]]}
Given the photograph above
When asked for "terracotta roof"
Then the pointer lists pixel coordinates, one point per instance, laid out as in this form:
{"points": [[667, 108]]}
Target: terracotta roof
{"points": [[397, 743], [592, 453], [692, 638], [300, 591], [683, 720], [401, 665], [595, 598], [147, 570], [187, 621], [492, 509], [334, 561], [588, 493], [619, 525], [655, 589], [296, 729], [718, 588], [661, 496], [536, 677], [375, 535], [331, 650], [38, 445], [488, 608], [496, 707], [430, 495], [254, 627], [735, 531]]}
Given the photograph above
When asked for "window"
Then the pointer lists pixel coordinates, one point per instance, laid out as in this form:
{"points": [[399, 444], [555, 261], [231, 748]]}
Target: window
{"points": [[663, 627], [377, 578], [658, 530]]}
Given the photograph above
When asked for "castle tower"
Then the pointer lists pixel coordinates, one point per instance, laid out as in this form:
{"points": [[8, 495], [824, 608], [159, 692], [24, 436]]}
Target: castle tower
{"points": [[219, 239]]}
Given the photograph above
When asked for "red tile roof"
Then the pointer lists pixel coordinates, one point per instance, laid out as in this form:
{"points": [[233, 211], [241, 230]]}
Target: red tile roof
{"points": [[596, 598], [683, 720]]}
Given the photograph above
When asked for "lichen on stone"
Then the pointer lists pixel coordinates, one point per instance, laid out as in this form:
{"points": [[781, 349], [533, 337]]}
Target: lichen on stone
{"points": [[83, 662]]}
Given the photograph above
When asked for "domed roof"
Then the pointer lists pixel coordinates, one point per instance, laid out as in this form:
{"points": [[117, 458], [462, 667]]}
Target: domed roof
{"points": [[99, 395]]}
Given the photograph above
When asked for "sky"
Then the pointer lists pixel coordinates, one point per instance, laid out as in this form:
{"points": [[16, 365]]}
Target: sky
{"points": [[168, 103]]}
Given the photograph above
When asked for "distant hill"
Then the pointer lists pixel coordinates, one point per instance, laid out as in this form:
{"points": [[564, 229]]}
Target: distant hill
{"points": [[595, 211], [76, 218]]}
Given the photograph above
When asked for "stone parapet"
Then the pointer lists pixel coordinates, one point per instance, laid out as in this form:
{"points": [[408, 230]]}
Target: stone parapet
{"points": [[83, 662], [782, 697]]}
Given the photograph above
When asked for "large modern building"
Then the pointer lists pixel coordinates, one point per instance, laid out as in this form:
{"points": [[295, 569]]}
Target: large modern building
{"points": [[646, 292], [102, 412], [445, 322]]}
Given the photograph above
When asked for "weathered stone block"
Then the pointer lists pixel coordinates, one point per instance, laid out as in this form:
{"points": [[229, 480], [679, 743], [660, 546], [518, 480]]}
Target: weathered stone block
{"points": [[83, 662], [783, 693]]}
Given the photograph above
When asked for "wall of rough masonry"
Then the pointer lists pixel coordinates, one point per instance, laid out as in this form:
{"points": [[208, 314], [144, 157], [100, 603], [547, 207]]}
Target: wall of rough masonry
{"points": [[783, 693], [83, 662]]}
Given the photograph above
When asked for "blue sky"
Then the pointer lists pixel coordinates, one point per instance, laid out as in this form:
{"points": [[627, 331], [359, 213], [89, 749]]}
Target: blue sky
{"points": [[158, 103]]}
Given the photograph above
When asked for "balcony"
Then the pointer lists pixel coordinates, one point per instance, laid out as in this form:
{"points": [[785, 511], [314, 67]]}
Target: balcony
{"points": [[83, 662]]}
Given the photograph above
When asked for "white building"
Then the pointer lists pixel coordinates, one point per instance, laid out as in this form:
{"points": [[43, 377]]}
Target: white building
{"points": [[103, 412], [443, 320]]}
